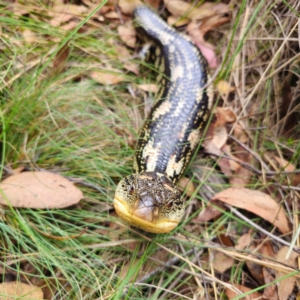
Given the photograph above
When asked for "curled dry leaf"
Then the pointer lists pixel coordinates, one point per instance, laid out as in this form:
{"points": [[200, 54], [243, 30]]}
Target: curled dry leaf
{"points": [[256, 202], [18, 290], [285, 286], [107, 78], [127, 34], [41, 190]]}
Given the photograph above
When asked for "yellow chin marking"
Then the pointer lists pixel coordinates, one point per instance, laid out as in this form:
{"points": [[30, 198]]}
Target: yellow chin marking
{"points": [[160, 226]]}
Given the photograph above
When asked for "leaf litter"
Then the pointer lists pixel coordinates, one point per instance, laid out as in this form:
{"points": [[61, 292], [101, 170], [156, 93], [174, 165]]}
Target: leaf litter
{"points": [[229, 142], [43, 190]]}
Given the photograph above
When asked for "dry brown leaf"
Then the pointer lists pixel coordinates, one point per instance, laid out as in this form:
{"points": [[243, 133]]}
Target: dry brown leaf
{"points": [[132, 67], [270, 291], [177, 21], [210, 212], [288, 167], [62, 13], [112, 15], [232, 295], [225, 116], [220, 261], [153, 3], [107, 78], [217, 14], [177, 7], [128, 6], [234, 166], [256, 202], [185, 184], [244, 241], [127, 34], [220, 137], [255, 270], [240, 134], [61, 59], [16, 290], [39, 190], [180, 8], [285, 286], [151, 87]]}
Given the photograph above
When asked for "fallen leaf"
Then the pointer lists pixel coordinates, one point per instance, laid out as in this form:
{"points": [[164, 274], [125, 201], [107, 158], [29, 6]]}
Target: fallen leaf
{"points": [[61, 59], [112, 15], [255, 269], [225, 116], [244, 241], [232, 295], [220, 261], [124, 56], [127, 34], [177, 21], [62, 13], [42, 190], [107, 78], [256, 202], [128, 6], [210, 212], [186, 185], [132, 67], [287, 166], [220, 137], [285, 286], [270, 291], [16, 290], [154, 3], [177, 7]]}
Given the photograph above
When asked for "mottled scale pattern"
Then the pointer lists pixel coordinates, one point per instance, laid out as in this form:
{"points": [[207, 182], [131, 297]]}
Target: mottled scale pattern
{"points": [[148, 198], [172, 131]]}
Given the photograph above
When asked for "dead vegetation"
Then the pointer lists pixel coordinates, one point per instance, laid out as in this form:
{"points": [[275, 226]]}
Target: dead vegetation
{"points": [[73, 96]]}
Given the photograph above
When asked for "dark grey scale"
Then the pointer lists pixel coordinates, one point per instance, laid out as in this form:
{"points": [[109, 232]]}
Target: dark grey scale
{"points": [[178, 54]]}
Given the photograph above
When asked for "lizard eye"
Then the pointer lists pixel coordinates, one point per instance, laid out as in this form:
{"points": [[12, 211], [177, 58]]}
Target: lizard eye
{"points": [[170, 204]]}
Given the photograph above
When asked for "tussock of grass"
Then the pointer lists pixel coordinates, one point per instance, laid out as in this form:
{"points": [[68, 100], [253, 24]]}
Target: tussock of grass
{"points": [[67, 123]]}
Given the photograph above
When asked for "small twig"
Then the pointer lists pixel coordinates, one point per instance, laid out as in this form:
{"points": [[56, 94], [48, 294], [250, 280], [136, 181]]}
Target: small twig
{"points": [[269, 234]]}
